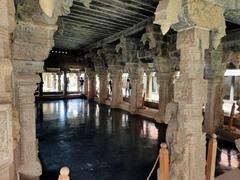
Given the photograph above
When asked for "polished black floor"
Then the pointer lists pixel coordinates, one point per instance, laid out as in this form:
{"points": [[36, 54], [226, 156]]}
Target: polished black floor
{"points": [[95, 142], [98, 143]]}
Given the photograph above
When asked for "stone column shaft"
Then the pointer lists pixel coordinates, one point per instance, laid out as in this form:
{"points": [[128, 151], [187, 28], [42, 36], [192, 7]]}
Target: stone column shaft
{"points": [[136, 79], [66, 83], [116, 75], [165, 81], [149, 85], [187, 142], [25, 87], [59, 82], [85, 85], [103, 94], [78, 81], [91, 85], [214, 114]]}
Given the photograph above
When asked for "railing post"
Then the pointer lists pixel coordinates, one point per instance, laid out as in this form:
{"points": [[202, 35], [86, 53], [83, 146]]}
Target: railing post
{"points": [[64, 174], [164, 162], [211, 158], [231, 116], [143, 100]]}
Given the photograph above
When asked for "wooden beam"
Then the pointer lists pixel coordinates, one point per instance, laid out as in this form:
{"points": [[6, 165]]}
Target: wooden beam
{"points": [[118, 13], [95, 20], [117, 20], [89, 25], [90, 22]]}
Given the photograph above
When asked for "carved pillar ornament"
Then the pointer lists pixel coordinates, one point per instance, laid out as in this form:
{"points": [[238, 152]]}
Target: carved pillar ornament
{"points": [[127, 48], [32, 41], [214, 73], [9, 125], [187, 13]]}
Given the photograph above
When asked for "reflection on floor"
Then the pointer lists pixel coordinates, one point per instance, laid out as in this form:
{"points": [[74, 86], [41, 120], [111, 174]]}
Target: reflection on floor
{"points": [[98, 143], [95, 141]]}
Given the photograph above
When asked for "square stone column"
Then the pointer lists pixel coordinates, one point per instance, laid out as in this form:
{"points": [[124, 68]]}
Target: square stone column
{"points": [[7, 121], [91, 84], [136, 79], [25, 83], [214, 73], [116, 74], [103, 94], [59, 81], [165, 81], [187, 142], [148, 85], [85, 85]]}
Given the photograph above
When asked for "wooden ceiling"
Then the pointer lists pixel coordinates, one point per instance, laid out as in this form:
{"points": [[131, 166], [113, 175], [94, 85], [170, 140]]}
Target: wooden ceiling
{"points": [[84, 26]]}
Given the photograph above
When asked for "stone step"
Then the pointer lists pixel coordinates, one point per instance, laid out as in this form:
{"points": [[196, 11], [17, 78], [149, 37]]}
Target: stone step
{"points": [[231, 175]]}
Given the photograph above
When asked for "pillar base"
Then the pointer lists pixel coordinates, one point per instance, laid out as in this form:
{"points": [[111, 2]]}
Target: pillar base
{"points": [[31, 170]]}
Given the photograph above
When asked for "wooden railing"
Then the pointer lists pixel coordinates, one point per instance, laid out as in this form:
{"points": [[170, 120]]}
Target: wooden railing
{"points": [[163, 158], [64, 174]]}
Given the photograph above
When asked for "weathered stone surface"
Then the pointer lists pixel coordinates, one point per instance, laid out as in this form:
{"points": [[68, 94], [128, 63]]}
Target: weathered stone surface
{"points": [[179, 15], [186, 139], [116, 76], [7, 25], [237, 142], [214, 73]]}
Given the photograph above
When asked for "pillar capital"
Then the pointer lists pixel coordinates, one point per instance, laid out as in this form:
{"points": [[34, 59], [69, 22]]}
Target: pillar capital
{"points": [[181, 16]]}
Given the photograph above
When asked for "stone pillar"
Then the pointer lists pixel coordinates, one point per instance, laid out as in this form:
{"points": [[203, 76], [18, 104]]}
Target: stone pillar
{"points": [[78, 74], [165, 81], [103, 94], [116, 74], [86, 84], [66, 83], [214, 73], [25, 84], [59, 82], [41, 85], [136, 79], [91, 84], [187, 142], [148, 85], [54, 80], [7, 16]]}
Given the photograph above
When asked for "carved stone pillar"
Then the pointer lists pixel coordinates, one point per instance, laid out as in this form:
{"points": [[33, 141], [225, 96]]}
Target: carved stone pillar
{"points": [[214, 73], [136, 76], [78, 81], [91, 84], [6, 108], [31, 42], [187, 142], [66, 83], [103, 77], [26, 80], [116, 74], [165, 81], [85, 84], [148, 85], [59, 82], [41, 85]]}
